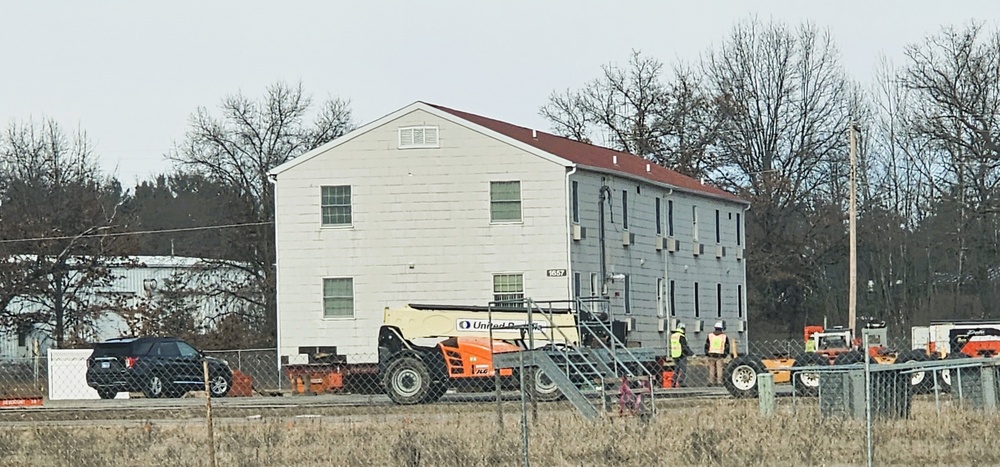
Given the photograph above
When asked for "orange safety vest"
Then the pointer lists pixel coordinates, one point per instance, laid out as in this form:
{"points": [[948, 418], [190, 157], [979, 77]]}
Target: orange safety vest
{"points": [[716, 344]]}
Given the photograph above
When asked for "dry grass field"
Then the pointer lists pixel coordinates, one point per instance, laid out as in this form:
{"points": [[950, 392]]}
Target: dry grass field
{"points": [[718, 432]]}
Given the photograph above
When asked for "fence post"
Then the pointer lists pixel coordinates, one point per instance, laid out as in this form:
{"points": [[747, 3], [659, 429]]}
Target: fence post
{"points": [[765, 393], [208, 415], [989, 383], [868, 401]]}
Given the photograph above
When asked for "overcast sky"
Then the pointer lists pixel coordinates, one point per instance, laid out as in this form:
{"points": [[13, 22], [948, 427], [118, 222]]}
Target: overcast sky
{"points": [[131, 73]]}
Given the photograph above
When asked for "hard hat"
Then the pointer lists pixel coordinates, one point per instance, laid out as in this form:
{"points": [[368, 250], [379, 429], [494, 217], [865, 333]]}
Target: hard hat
{"points": [[680, 326], [720, 325]]}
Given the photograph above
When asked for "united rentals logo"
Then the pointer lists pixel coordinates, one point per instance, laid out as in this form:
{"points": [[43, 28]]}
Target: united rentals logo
{"points": [[483, 325]]}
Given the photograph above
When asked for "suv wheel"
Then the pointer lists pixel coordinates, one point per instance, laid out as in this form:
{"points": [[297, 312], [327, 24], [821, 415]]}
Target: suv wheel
{"points": [[154, 387], [107, 393], [219, 385]]}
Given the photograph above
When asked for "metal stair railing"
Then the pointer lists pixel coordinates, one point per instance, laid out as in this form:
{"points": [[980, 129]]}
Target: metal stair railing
{"points": [[589, 361], [596, 367], [615, 343]]}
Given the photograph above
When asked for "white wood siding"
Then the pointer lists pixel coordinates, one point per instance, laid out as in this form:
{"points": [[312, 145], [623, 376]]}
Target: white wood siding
{"points": [[421, 231]]}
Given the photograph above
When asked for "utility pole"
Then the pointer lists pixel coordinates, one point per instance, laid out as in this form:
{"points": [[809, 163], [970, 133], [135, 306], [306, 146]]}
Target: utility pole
{"points": [[852, 301]]}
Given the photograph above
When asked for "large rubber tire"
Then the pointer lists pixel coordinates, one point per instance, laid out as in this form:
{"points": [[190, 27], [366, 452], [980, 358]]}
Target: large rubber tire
{"points": [[945, 376], [920, 381], [107, 393], [407, 381], [806, 383], [540, 387], [155, 387], [740, 376], [219, 385]]}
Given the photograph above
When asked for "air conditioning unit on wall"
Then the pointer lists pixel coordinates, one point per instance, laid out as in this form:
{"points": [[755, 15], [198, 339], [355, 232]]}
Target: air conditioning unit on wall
{"points": [[698, 248], [663, 325], [742, 326], [720, 251], [628, 238], [739, 254], [629, 324], [697, 325], [673, 245], [659, 243], [579, 233]]}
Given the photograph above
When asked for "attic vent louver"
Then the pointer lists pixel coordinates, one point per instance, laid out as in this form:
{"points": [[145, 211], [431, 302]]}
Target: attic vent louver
{"points": [[418, 137]]}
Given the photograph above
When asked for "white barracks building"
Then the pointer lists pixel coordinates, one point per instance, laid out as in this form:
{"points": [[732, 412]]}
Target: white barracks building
{"points": [[434, 205]]}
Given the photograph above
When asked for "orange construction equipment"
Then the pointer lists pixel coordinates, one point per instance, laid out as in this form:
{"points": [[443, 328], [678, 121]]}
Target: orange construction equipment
{"points": [[314, 379], [242, 385]]}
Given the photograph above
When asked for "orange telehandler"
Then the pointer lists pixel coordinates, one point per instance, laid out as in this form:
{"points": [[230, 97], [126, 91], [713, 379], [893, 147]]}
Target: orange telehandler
{"points": [[424, 350]]}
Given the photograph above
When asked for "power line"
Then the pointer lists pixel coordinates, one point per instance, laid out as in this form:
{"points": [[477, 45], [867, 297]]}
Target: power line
{"points": [[139, 232]]}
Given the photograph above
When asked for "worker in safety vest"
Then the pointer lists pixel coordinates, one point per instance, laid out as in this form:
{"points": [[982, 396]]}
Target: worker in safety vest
{"points": [[717, 348], [679, 352], [810, 344]]}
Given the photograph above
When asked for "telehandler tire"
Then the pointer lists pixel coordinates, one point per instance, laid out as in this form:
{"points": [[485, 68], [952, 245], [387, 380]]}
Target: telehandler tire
{"points": [[407, 381], [540, 387], [920, 381], [806, 383], [947, 377], [740, 376]]}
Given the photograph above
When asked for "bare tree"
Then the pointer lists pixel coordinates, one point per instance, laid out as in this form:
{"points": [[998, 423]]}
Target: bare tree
{"points": [[236, 148], [953, 81], [788, 102], [55, 202], [630, 109]]}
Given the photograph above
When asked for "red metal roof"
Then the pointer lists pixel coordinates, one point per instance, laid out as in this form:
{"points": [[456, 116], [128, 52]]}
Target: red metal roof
{"points": [[588, 155]]}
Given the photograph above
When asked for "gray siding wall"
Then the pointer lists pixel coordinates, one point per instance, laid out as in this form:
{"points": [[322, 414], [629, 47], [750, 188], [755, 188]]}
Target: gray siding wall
{"points": [[644, 264]]}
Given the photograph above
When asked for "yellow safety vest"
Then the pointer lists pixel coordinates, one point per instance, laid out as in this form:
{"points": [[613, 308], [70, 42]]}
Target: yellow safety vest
{"points": [[675, 345], [716, 344], [810, 345]]}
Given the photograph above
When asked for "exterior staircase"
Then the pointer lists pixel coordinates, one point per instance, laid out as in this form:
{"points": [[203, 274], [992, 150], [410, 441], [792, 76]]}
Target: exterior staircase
{"points": [[588, 373]]}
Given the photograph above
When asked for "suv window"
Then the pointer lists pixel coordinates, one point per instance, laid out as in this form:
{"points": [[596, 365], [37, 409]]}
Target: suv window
{"points": [[186, 350], [167, 349], [122, 349], [115, 349]]}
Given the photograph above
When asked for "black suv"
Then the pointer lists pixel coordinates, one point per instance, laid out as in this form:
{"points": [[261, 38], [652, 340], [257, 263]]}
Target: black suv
{"points": [[156, 366]]}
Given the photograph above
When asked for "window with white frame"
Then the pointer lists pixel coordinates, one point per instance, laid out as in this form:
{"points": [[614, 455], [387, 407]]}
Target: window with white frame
{"points": [[739, 301], [739, 230], [508, 287], [505, 201], [335, 204], [338, 297], [415, 137], [628, 294], [576, 202], [595, 285], [625, 209], [718, 300], [660, 295], [697, 302], [718, 228], [670, 217], [694, 223], [673, 298], [659, 218]]}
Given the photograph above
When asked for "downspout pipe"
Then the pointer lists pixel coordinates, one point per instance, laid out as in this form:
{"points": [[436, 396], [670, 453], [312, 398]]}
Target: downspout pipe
{"points": [[603, 195], [569, 234]]}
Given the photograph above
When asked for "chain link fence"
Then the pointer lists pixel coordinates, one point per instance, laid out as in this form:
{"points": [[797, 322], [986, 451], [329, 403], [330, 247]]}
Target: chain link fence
{"points": [[884, 404]]}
